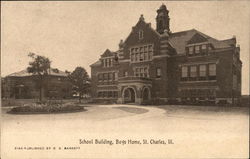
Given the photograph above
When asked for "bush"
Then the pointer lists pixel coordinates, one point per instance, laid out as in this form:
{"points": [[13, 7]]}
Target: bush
{"points": [[45, 108]]}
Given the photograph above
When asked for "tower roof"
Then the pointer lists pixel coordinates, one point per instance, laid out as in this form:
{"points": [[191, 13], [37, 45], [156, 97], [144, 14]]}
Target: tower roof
{"points": [[163, 7]]}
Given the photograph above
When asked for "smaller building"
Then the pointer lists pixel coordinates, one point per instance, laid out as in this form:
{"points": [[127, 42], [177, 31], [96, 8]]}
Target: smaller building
{"points": [[24, 85]]}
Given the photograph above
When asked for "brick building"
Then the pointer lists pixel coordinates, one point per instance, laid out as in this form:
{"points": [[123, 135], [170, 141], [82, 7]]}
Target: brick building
{"points": [[160, 66], [23, 85]]}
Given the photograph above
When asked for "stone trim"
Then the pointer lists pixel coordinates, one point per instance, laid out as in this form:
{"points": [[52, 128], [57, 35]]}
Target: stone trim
{"points": [[160, 56], [198, 87], [199, 63]]}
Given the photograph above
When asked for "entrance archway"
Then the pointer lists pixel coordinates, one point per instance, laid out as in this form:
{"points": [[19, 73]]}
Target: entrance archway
{"points": [[129, 95]]}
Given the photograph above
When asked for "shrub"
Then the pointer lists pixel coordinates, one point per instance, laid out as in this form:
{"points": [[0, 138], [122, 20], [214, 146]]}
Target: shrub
{"points": [[46, 108]]}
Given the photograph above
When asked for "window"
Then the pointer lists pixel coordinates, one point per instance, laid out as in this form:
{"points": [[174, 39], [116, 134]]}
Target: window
{"points": [[197, 49], [140, 34], [150, 54], [158, 72], [202, 70], [110, 76], [145, 56], [184, 71], [132, 57], [141, 72], [137, 57], [141, 57], [125, 73], [193, 71], [105, 75], [137, 70], [142, 53], [116, 76], [203, 47], [191, 50], [100, 77], [212, 71], [108, 62], [145, 72]]}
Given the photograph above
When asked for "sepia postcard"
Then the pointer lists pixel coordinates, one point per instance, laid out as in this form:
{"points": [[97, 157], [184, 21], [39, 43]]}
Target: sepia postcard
{"points": [[125, 79]]}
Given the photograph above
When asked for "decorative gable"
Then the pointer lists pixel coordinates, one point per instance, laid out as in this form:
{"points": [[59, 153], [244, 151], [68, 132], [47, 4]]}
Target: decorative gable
{"points": [[107, 53], [197, 38], [141, 33]]}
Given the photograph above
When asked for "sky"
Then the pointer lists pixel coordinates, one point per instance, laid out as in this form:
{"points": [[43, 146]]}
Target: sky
{"points": [[76, 33]]}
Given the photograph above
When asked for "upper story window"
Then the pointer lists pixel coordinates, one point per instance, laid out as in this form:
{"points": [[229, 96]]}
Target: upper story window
{"points": [[190, 73], [141, 72], [141, 53], [108, 62], [184, 71], [158, 72], [116, 76], [212, 70], [140, 34], [193, 71], [125, 74], [197, 49], [191, 50], [107, 77], [203, 70], [203, 47]]}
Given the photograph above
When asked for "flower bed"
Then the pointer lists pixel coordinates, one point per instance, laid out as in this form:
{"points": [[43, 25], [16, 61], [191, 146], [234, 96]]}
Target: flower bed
{"points": [[41, 108]]}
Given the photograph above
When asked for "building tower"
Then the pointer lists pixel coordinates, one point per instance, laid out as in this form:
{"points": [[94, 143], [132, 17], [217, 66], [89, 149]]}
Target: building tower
{"points": [[162, 20]]}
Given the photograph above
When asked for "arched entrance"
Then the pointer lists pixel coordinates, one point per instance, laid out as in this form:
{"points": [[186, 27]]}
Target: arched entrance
{"points": [[146, 96], [129, 95]]}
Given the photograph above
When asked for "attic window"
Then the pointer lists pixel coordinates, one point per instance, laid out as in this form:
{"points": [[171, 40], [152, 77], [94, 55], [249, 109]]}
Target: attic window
{"points": [[141, 34]]}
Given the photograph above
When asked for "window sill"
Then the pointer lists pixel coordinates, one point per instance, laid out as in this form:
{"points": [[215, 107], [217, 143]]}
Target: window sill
{"points": [[198, 81]]}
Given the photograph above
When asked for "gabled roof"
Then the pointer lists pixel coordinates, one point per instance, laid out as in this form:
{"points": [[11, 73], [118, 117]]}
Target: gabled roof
{"points": [[197, 38], [97, 63], [107, 53], [179, 40], [142, 22], [24, 73], [230, 42]]}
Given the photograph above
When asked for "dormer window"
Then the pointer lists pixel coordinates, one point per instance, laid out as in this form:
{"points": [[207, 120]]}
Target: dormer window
{"points": [[141, 34], [108, 62]]}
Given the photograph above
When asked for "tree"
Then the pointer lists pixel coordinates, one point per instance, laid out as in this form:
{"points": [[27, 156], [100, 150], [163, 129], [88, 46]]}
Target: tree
{"points": [[39, 66], [80, 81]]}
